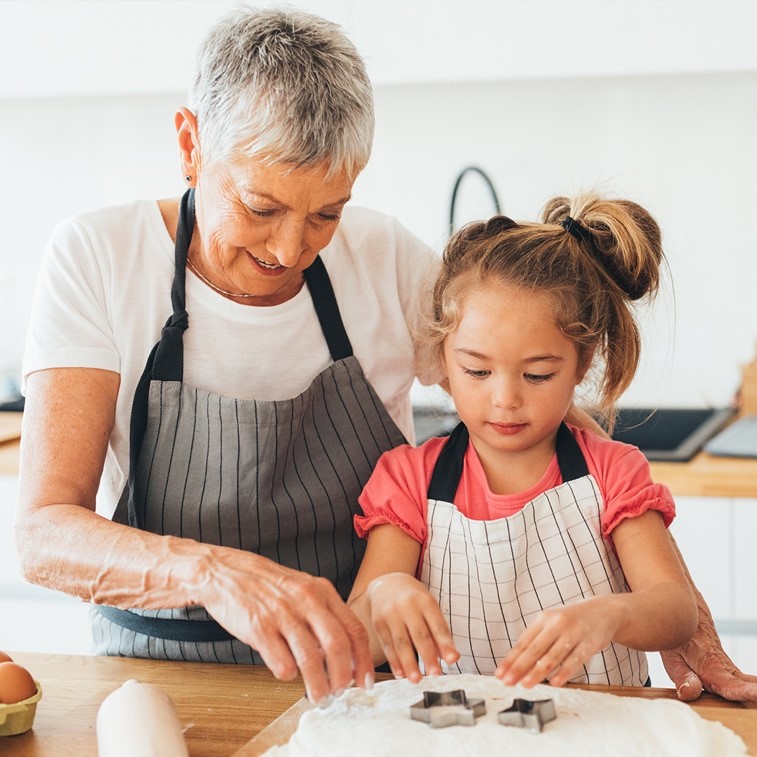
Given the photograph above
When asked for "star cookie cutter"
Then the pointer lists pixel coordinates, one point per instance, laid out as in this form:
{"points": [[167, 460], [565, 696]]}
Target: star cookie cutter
{"points": [[444, 708], [525, 713]]}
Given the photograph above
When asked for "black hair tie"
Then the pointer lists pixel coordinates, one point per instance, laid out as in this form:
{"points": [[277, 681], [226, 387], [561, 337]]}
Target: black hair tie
{"points": [[633, 289]]}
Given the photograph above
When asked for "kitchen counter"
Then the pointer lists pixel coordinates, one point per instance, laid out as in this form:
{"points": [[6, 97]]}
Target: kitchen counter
{"points": [[221, 707], [709, 476], [10, 434]]}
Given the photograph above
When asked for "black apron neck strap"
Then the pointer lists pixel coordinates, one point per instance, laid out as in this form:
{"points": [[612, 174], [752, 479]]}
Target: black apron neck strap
{"points": [[569, 456], [166, 359], [449, 466], [168, 363], [327, 310], [184, 231]]}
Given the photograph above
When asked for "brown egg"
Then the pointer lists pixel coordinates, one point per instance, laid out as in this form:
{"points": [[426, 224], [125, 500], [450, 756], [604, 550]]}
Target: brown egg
{"points": [[5, 657], [16, 683]]}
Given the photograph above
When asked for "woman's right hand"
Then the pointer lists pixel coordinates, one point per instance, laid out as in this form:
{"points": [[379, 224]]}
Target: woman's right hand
{"points": [[409, 624], [294, 620]]}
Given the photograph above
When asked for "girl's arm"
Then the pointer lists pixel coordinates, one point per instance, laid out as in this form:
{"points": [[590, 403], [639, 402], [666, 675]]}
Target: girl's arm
{"points": [[403, 620], [660, 611]]}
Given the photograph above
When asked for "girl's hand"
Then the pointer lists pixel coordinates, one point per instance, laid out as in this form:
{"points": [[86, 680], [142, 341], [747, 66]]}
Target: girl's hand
{"points": [[560, 641], [409, 624]]}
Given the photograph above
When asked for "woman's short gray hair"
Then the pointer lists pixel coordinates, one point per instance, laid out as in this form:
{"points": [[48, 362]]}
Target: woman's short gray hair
{"points": [[283, 86]]}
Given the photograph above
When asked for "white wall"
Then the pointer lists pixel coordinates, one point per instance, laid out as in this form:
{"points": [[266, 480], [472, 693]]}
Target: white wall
{"points": [[543, 108], [683, 145]]}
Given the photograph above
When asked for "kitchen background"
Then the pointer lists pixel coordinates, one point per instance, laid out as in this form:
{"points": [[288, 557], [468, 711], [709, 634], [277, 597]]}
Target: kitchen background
{"points": [[653, 99]]}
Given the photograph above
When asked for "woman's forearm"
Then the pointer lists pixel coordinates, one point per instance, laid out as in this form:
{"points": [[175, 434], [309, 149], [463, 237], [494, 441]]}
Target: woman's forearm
{"points": [[73, 550]]}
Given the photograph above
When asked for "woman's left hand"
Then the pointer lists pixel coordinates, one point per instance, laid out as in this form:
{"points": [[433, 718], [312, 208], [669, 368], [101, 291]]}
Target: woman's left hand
{"points": [[560, 640], [701, 663]]}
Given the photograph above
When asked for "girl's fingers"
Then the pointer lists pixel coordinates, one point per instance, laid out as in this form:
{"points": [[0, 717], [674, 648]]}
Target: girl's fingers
{"points": [[522, 658], [426, 648], [444, 642], [571, 665], [408, 658], [387, 644], [563, 660], [399, 651], [405, 642], [549, 662]]}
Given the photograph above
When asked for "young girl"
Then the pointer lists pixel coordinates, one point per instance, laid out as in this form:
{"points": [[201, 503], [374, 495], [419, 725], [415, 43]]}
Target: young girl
{"points": [[520, 545]]}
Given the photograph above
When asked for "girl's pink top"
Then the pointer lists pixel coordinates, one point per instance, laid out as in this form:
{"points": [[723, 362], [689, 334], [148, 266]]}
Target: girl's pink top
{"points": [[397, 491]]}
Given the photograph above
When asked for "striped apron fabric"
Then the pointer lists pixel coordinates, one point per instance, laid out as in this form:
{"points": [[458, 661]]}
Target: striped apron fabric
{"points": [[277, 478], [492, 578]]}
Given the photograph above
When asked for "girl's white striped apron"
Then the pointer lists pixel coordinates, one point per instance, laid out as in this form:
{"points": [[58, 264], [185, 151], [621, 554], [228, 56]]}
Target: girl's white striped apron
{"points": [[278, 478], [492, 578]]}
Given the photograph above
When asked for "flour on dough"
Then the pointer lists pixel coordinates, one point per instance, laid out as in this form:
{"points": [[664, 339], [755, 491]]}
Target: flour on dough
{"points": [[377, 723]]}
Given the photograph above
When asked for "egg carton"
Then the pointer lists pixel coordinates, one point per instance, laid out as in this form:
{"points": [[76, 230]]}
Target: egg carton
{"points": [[19, 717]]}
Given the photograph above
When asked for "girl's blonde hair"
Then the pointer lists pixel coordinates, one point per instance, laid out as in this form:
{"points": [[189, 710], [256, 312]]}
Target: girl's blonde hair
{"points": [[593, 256]]}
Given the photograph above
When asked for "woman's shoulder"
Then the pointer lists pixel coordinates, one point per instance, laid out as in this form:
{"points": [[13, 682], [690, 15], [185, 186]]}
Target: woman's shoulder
{"points": [[365, 229], [135, 218], [119, 211], [112, 232]]}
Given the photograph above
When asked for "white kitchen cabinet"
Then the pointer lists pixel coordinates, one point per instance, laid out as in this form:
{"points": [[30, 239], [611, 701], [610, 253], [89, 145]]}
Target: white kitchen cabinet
{"points": [[744, 562], [702, 529], [8, 563], [717, 539], [744, 653], [34, 619]]}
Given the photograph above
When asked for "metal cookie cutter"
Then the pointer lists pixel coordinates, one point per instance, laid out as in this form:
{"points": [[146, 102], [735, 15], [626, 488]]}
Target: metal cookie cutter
{"points": [[525, 713], [442, 708]]}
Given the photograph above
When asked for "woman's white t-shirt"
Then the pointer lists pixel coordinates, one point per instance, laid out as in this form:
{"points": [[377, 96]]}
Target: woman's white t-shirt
{"points": [[103, 295]]}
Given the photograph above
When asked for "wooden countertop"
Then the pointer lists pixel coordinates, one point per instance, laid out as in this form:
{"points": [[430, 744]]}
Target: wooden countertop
{"points": [[221, 707], [10, 435], [709, 476]]}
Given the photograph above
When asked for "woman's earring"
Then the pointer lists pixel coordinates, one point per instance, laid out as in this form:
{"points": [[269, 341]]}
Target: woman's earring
{"points": [[187, 179]]}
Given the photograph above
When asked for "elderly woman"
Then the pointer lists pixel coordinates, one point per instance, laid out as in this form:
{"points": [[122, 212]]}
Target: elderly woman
{"points": [[210, 380]]}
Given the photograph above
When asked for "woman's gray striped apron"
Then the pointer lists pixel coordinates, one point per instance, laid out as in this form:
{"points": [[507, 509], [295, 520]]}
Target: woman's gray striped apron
{"points": [[492, 578], [278, 478]]}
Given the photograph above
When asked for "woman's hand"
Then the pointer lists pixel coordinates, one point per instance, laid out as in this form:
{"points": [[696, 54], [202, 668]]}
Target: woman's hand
{"points": [[701, 663], [409, 623], [560, 641], [294, 620]]}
